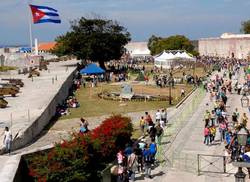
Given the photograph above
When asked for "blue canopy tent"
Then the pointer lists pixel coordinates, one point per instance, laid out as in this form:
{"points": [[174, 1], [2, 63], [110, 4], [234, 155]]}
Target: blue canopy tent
{"points": [[92, 69], [25, 49]]}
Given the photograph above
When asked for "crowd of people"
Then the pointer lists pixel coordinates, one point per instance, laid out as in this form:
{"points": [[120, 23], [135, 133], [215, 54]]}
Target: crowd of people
{"points": [[70, 101], [221, 127], [140, 157]]}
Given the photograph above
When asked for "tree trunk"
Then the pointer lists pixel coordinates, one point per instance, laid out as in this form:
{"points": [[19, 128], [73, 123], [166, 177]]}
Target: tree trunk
{"points": [[102, 64]]}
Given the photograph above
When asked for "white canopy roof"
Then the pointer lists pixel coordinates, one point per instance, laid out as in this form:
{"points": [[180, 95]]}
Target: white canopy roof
{"points": [[184, 55], [164, 56], [165, 59]]}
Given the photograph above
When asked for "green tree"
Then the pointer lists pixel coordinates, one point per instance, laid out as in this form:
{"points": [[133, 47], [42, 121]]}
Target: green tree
{"points": [[152, 42], [245, 27], [177, 42], [94, 39]]}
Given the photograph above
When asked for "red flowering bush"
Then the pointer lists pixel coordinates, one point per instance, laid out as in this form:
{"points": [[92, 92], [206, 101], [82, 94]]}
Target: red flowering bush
{"points": [[81, 158]]}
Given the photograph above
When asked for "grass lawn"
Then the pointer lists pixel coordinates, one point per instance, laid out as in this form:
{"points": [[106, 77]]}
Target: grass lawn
{"points": [[7, 68], [199, 71], [92, 105]]}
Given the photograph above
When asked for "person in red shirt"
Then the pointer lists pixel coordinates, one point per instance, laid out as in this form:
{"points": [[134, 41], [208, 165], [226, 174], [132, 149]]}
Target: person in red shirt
{"points": [[148, 119], [206, 135]]}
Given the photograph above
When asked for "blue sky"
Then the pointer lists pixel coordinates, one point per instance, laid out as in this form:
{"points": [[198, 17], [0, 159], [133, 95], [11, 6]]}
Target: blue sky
{"points": [[142, 18]]}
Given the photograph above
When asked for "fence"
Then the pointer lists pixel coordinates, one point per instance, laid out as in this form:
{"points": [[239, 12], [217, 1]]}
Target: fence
{"points": [[214, 164], [172, 157]]}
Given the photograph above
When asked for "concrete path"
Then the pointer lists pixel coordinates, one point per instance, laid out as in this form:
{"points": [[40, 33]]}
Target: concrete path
{"points": [[182, 154], [63, 128], [24, 109]]}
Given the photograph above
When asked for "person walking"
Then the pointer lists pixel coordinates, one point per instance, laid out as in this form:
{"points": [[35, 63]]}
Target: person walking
{"points": [[153, 150], [244, 119], [7, 139], [206, 135], [157, 116], [159, 133], [164, 116], [120, 160], [222, 130], [212, 131], [142, 126], [207, 117], [148, 119], [147, 157], [139, 154], [235, 119], [152, 132], [132, 165]]}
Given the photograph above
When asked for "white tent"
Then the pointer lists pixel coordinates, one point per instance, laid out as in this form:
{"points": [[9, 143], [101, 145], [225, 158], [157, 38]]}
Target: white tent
{"points": [[185, 56], [165, 59]]}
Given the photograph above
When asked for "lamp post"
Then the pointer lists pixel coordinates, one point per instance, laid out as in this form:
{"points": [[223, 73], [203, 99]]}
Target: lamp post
{"points": [[242, 141], [170, 87], [242, 136]]}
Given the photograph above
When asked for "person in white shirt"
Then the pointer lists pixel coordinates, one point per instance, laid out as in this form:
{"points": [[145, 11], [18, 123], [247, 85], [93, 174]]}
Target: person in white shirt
{"points": [[164, 116], [162, 124], [7, 139], [182, 92], [158, 116]]}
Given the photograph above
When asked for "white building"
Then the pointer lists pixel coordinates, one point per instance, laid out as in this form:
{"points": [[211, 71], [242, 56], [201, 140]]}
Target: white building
{"points": [[227, 45], [138, 49]]}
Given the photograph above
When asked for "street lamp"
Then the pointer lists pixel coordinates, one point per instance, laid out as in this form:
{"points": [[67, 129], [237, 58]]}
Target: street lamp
{"points": [[170, 87], [242, 136], [242, 141]]}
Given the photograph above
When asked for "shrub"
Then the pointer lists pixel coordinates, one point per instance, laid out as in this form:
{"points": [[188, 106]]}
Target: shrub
{"points": [[84, 155]]}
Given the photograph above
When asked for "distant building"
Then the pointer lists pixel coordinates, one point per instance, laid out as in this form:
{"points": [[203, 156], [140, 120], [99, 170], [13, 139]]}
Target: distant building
{"points": [[7, 50], [138, 49], [227, 45], [46, 47]]}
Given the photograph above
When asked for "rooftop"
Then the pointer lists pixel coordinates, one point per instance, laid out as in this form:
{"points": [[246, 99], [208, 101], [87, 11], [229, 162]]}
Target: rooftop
{"points": [[46, 46], [229, 36]]}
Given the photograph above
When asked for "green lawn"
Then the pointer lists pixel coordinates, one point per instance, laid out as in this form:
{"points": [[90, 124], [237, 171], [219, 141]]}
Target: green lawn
{"points": [[199, 71], [92, 105], [7, 68]]}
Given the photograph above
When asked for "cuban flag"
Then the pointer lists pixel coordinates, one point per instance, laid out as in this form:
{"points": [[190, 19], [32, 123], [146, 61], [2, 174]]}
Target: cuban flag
{"points": [[44, 14]]}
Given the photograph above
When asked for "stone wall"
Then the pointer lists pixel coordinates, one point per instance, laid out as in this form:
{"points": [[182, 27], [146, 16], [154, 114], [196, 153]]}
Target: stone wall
{"points": [[225, 47], [37, 126]]}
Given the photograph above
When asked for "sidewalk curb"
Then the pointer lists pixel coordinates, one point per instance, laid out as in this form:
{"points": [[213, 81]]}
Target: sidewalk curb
{"points": [[185, 98]]}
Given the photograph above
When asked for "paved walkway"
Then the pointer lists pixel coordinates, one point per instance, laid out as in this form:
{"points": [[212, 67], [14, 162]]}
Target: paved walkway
{"points": [[23, 110], [63, 128], [182, 154]]}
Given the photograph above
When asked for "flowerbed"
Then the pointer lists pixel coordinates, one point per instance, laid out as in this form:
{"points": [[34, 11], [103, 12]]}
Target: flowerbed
{"points": [[84, 155]]}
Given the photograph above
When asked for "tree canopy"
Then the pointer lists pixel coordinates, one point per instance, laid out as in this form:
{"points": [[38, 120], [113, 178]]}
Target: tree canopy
{"points": [[245, 27], [177, 42], [98, 40]]}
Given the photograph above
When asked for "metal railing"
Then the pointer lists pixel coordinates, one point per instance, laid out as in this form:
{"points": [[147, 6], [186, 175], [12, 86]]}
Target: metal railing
{"points": [[211, 164], [215, 164], [169, 156]]}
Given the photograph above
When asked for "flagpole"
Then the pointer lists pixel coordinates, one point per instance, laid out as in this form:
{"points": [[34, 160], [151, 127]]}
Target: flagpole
{"points": [[30, 25]]}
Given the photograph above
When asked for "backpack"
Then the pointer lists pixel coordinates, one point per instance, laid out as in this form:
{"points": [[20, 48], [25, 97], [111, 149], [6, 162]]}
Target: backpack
{"points": [[152, 148]]}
